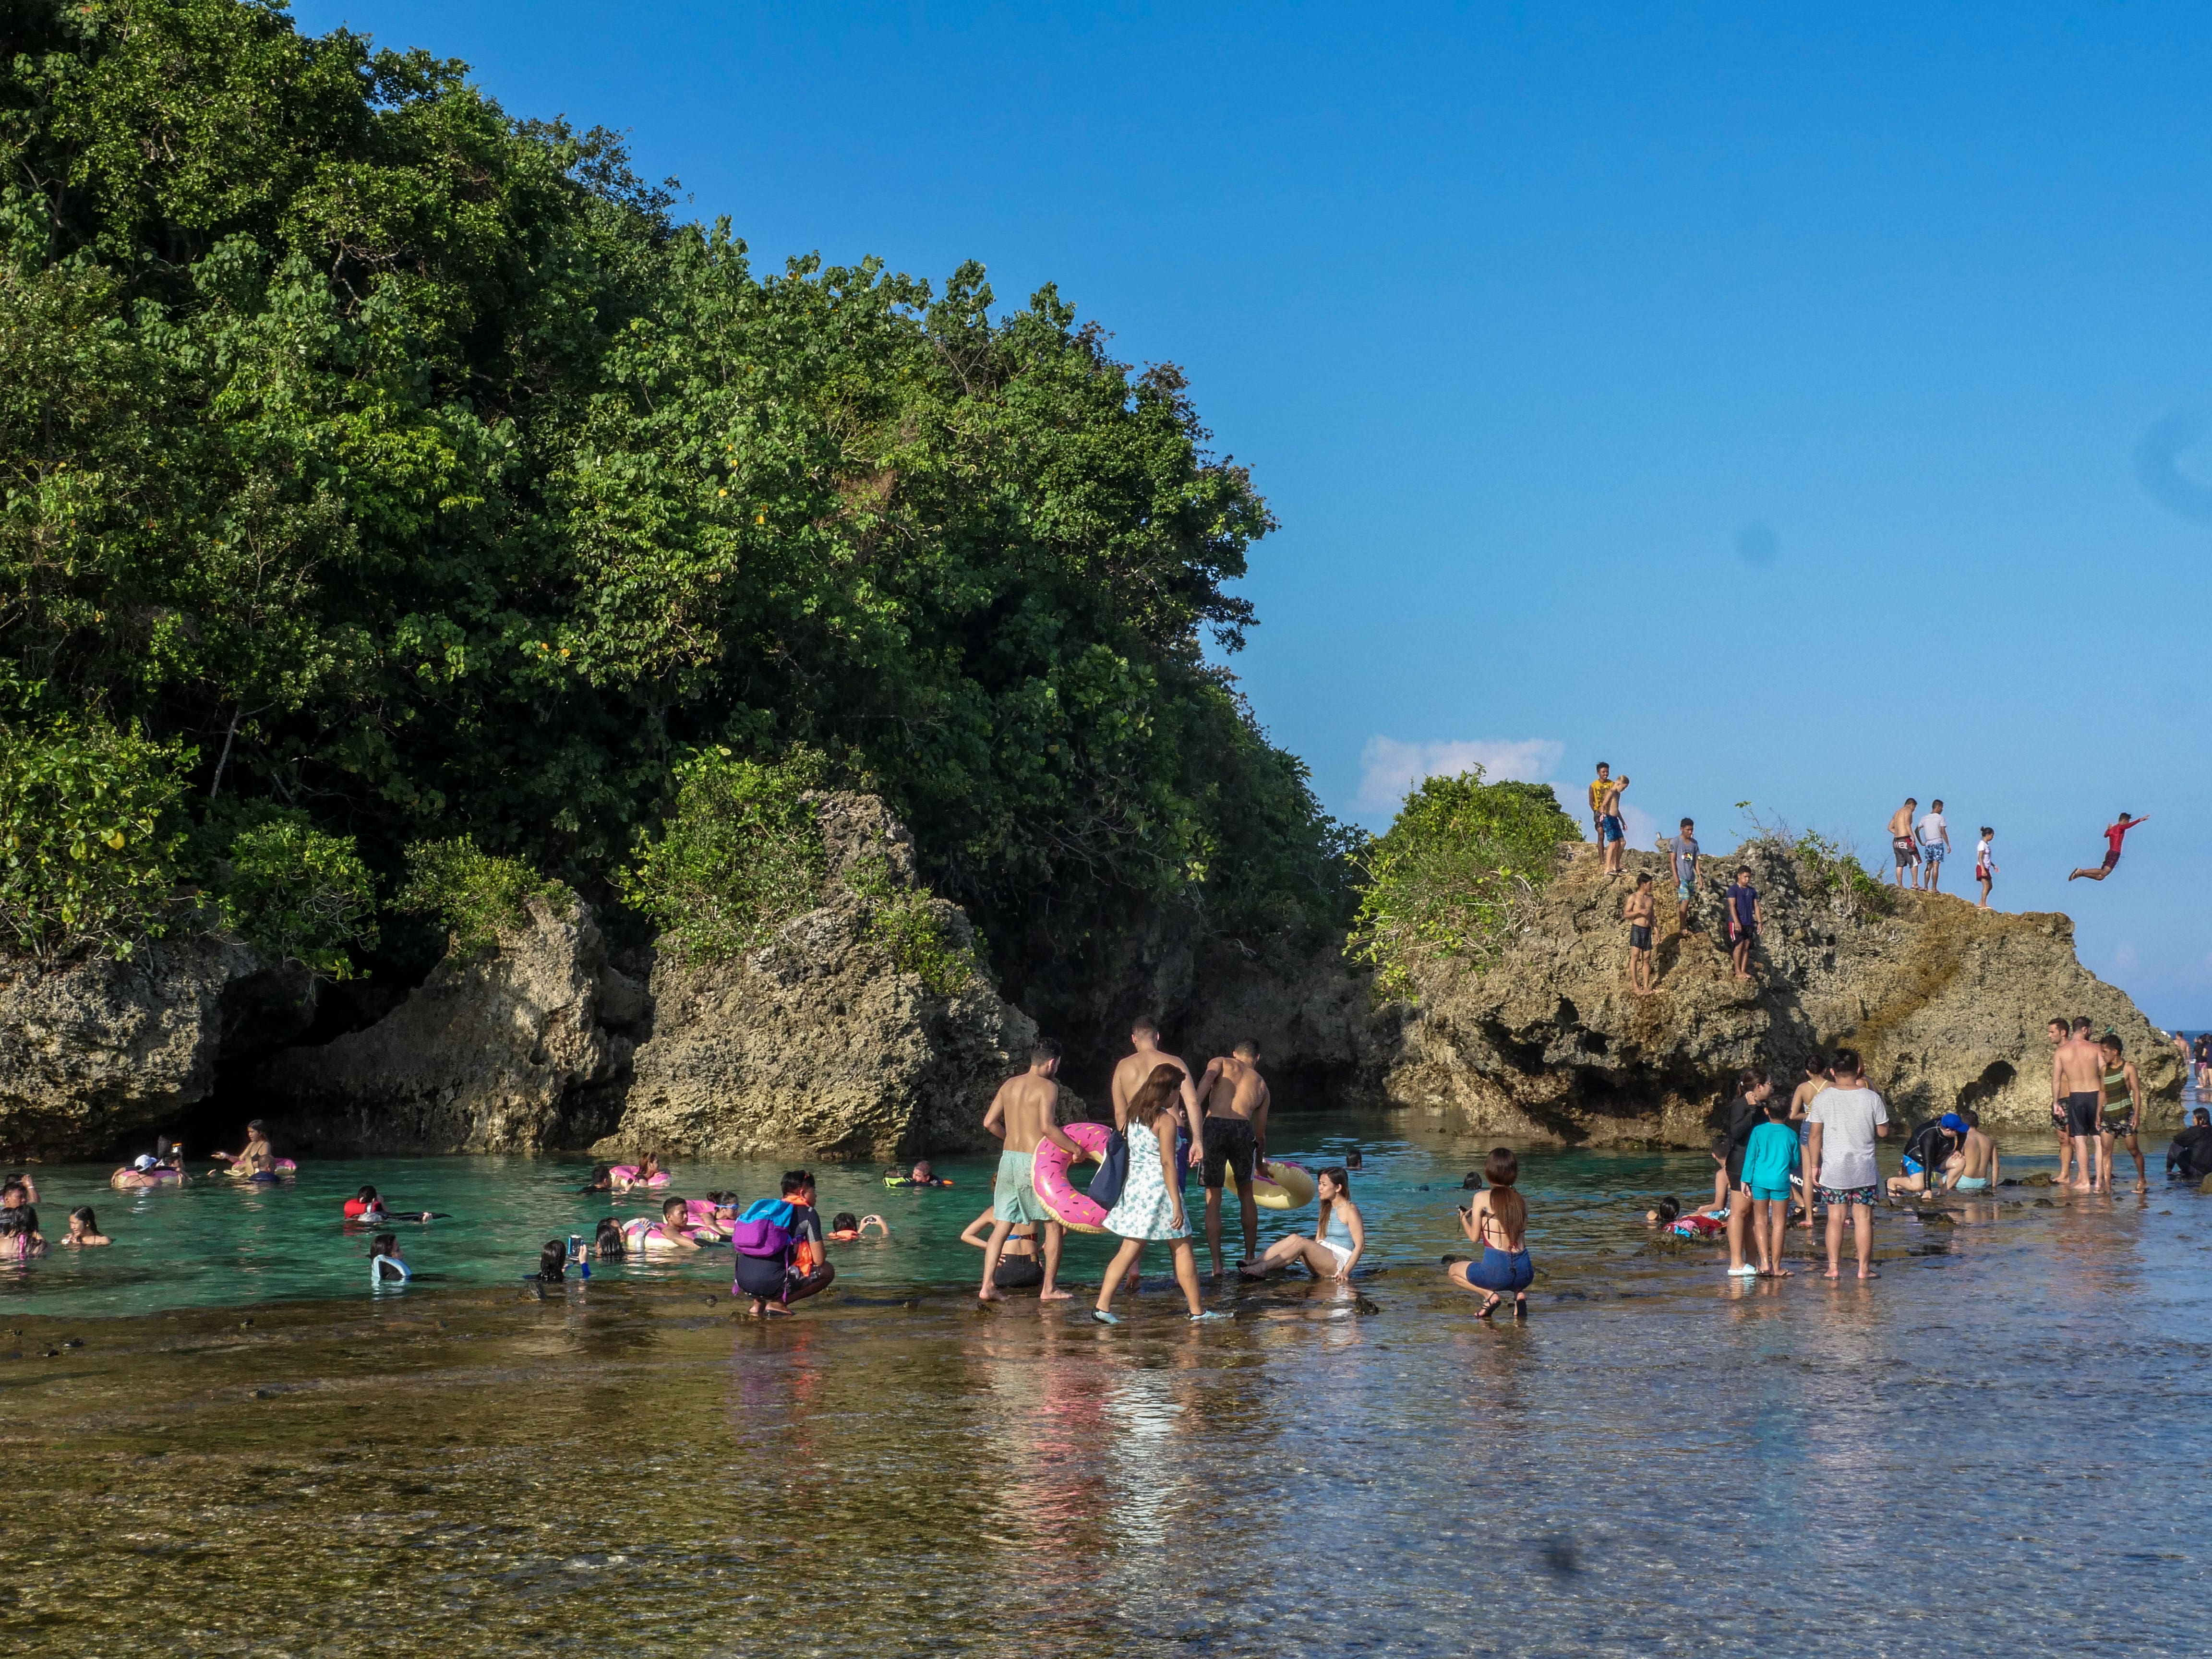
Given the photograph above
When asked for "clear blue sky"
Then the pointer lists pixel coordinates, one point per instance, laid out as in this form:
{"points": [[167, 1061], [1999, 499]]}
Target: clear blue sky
{"points": [[1785, 407]]}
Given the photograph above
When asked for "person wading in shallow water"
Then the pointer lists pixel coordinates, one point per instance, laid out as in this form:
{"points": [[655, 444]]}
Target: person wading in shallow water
{"points": [[2057, 1030], [2115, 833], [1236, 1139], [2077, 1077], [2123, 1109], [1025, 1113], [1845, 1121]]}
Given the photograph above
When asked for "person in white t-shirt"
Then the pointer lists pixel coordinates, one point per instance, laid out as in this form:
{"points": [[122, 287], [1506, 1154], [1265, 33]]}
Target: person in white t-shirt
{"points": [[1986, 864], [1935, 835], [1842, 1123]]}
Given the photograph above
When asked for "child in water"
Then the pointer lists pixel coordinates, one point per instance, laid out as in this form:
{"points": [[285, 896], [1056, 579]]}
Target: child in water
{"points": [[845, 1227], [84, 1228], [921, 1176], [385, 1263]]}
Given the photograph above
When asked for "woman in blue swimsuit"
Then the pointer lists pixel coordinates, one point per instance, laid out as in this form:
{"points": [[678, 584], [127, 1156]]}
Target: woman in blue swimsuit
{"points": [[1499, 1221]]}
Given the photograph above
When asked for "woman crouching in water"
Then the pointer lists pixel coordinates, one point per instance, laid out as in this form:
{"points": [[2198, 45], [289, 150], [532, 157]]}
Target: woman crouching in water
{"points": [[1499, 1221], [1339, 1236]]}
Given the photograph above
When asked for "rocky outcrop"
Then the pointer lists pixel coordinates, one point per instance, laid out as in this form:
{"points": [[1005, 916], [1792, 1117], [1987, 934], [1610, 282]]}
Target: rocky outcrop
{"points": [[517, 1049], [95, 1050], [1946, 1004], [818, 1044]]}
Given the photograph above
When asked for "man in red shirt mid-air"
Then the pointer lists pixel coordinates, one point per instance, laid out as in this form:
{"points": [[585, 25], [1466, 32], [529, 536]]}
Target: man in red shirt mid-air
{"points": [[2114, 835]]}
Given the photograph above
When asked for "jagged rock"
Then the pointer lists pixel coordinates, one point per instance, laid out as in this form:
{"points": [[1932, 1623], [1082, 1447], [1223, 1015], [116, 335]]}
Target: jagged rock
{"points": [[817, 1045], [1946, 1003], [96, 1049], [517, 1049]]}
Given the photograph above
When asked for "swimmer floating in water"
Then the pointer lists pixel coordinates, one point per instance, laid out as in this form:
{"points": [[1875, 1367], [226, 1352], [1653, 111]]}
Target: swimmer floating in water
{"points": [[364, 1206], [386, 1265], [922, 1174], [845, 1227], [669, 1234], [84, 1228], [647, 1173]]}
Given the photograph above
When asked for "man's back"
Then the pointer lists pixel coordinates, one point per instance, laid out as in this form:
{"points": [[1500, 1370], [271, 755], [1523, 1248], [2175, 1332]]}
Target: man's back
{"points": [[1133, 1073], [1979, 1150], [2081, 1067], [1238, 1090], [1030, 1103]]}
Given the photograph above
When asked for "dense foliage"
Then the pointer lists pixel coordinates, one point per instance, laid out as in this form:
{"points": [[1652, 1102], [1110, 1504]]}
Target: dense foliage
{"points": [[407, 466], [741, 855], [477, 895], [297, 894], [1446, 879]]}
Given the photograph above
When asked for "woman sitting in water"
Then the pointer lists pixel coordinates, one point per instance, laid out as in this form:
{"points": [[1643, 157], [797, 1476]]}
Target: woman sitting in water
{"points": [[1339, 1236], [1499, 1221], [386, 1265], [257, 1161], [140, 1174], [608, 1242], [1018, 1268], [20, 1237], [624, 1177], [662, 1237], [552, 1263], [84, 1228], [845, 1227]]}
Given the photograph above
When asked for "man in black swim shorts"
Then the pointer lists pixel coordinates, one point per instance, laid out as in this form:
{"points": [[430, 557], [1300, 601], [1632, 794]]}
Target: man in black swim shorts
{"points": [[1235, 1134], [2077, 1079]]}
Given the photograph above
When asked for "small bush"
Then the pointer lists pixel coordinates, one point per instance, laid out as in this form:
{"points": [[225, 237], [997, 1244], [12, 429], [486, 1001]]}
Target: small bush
{"points": [[903, 921], [1444, 881], [1837, 871], [86, 858], [741, 855], [297, 894], [479, 894]]}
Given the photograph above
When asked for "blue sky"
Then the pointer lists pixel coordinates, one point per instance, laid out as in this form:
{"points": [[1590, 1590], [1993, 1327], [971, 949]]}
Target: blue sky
{"points": [[1813, 410]]}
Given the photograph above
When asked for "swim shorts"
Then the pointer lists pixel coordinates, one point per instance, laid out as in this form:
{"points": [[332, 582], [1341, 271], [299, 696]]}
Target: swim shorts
{"points": [[1682, 889], [1639, 938], [1973, 1184], [1906, 849], [1230, 1147], [2110, 859], [1932, 851], [1771, 1194], [1914, 1166], [1833, 1196], [1013, 1197], [1019, 1272], [2120, 1125], [2085, 1112], [1615, 829]]}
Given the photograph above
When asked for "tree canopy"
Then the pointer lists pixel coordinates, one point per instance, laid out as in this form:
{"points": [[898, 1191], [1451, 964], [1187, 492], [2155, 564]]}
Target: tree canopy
{"points": [[399, 464]]}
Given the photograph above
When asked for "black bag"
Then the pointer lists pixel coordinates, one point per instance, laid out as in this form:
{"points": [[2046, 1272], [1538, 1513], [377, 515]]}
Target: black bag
{"points": [[1113, 1174]]}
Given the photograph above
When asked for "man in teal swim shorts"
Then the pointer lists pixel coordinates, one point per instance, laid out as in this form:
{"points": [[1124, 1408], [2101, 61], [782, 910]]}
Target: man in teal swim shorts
{"points": [[1024, 1112], [1976, 1168]]}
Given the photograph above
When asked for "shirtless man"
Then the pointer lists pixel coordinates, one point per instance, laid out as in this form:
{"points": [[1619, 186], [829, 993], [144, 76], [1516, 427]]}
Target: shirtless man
{"points": [[1902, 846], [1816, 1078], [2077, 1076], [1641, 913], [1025, 1113], [1611, 827], [1976, 1169], [1136, 1066], [1236, 1140]]}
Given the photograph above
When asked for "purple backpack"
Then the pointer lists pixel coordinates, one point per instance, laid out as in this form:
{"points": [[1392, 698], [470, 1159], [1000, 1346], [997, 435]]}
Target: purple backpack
{"points": [[764, 1230]]}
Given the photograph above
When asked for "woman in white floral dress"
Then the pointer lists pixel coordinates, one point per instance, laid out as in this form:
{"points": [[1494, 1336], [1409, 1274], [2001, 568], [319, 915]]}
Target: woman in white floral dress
{"points": [[1151, 1205]]}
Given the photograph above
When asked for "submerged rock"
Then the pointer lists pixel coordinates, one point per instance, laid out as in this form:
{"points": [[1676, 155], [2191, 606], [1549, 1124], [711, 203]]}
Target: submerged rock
{"points": [[94, 1050], [819, 1044], [520, 1048], [1946, 1003]]}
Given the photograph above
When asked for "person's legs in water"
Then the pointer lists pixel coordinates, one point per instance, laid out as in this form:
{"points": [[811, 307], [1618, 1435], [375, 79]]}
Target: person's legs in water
{"points": [[2135, 1147], [1285, 1252], [1774, 1213], [1124, 1264], [1050, 1290], [1186, 1273]]}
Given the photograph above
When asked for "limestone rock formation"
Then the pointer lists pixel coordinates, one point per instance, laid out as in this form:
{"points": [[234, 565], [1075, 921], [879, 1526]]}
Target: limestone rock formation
{"points": [[817, 1044], [1946, 1004], [94, 1050], [517, 1049]]}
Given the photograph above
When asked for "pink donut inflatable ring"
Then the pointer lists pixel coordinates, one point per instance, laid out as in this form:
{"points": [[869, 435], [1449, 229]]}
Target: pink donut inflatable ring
{"points": [[1048, 1173], [628, 1172]]}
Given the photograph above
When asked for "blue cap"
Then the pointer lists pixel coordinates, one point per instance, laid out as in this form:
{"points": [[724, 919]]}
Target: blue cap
{"points": [[1953, 1121]]}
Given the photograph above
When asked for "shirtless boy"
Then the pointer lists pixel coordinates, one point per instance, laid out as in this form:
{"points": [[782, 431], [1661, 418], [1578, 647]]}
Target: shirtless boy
{"points": [[1641, 913], [1234, 1140], [1612, 828], [1024, 1112], [2077, 1076], [1976, 1168]]}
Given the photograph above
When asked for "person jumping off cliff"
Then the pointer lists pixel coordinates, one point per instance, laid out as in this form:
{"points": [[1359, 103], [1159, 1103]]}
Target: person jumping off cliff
{"points": [[2115, 833]]}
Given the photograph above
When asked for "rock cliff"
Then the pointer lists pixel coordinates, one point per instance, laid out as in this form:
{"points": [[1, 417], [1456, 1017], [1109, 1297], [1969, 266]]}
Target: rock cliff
{"points": [[95, 1050], [518, 1048], [819, 1044], [1946, 1004]]}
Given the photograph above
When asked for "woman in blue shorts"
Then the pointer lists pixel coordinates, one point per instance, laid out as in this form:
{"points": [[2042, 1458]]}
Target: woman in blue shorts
{"points": [[1498, 1220]]}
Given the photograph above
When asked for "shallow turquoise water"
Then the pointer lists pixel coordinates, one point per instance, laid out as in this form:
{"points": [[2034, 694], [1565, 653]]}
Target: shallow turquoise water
{"points": [[215, 1243]]}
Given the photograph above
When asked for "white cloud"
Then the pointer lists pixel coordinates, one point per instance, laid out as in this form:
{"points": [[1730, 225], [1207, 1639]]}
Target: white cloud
{"points": [[1388, 769]]}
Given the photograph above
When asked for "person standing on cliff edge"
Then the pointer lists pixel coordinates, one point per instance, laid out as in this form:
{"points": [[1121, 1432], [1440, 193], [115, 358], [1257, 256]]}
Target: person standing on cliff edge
{"points": [[1025, 1113], [1613, 829], [1682, 851], [1600, 786], [2115, 833], [1902, 846]]}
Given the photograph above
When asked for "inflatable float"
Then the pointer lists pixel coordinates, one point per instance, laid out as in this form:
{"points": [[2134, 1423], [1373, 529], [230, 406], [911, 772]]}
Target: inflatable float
{"points": [[628, 1172], [1278, 1184], [1074, 1210]]}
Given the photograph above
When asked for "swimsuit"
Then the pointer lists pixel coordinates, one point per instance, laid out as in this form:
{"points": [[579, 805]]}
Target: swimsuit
{"points": [[2119, 1110], [2085, 1112], [1835, 1195], [1639, 937], [1973, 1184], [1905, 847], [1230, 1149], [1612, 828], [1014, 1195]]}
